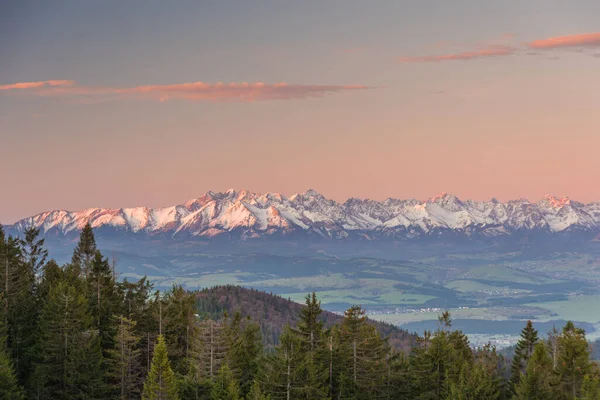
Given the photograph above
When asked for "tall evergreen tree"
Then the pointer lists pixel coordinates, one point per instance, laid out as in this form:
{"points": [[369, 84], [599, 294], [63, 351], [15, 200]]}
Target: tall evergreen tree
{"points": [[137, 307], [124, 366], [70, 357], [256, 393], [178, 326], [363, 356], [9, 386], [243, 350], [33, 250], [438, 362], [312, 344], [85, 251], [103, 296], [209, 349], [18, 289], [523, 351], [52, 273], [535, 383], [160, 383], [573, 360], [225, 386], [473, 383], [282, 374]]}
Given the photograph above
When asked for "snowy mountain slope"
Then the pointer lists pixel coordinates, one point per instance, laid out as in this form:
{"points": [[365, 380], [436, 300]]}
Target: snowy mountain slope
{"points": [[253, 215]]}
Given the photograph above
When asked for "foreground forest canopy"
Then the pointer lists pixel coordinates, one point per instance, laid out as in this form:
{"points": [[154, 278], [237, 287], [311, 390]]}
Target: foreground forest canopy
{"points": [[76, 332]]}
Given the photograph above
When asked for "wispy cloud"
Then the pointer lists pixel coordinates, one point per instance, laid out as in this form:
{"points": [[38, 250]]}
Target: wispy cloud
{"points": [[483, 52], [581, 40], [36, 85], [501, 47], [194, 91]]}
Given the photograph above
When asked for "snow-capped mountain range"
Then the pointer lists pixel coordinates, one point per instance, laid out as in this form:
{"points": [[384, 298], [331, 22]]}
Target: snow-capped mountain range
{"points": [[250, 215]]}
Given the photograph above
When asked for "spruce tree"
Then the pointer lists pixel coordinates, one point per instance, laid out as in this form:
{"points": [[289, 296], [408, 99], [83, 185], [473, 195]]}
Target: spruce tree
{"points": [[363, 357], [573, 360], [85, 251], [312, 344], [34, 253], [473, 383], [282, 370], [255, 393], [20, 302], [225, 386], [178, 325], [70, 360], [243, 350], [52, 273], [124, 367], [9, 386], [438, 362], [523, 351], [160, 383], [535, 383], [103, 296], [209, 348]]}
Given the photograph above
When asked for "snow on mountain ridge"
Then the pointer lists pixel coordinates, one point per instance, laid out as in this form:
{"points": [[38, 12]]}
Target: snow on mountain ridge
{"points": [[271, 213]]}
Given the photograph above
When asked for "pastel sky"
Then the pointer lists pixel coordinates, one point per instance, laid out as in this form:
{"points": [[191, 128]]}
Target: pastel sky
{"points": [[152, 102]]}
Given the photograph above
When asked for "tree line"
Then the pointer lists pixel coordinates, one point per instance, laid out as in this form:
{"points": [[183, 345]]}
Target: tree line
{"points": [[77, 332]]}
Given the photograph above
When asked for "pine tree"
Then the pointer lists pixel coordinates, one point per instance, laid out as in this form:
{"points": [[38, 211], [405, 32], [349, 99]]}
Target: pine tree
{"points": [[282, 377], [523, 351], [474, 383], [438, 361], [243, 350], [225, 386], [9, 387], [573, 360], [178, 325], [534, 384], [33, 250], [363, 356], [208, 349], [20, 302], [124, 367], [85, 251], [255, 393], [160, 383], [51, 275], [312, 345], [138, 308], [103, 296], [70, 357]]}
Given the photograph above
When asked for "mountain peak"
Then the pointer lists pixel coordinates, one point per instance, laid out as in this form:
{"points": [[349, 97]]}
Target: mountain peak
{"points": [[556, 202], [444, 198], [268, 214], [311, 192]]}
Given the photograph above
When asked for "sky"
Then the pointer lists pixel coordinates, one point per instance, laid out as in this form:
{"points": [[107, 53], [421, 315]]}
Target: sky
{"points": [[151, 103]]}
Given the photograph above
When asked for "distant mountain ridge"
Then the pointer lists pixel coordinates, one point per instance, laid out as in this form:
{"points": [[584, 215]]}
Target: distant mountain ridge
{"points": [[249, 215]]}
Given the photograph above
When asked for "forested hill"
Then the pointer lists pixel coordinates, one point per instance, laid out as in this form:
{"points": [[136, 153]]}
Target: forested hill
{"points": [[273, 313], [76, 332]]}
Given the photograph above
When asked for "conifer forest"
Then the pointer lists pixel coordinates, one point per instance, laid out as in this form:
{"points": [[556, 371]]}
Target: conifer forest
{"points": [[76, 331]]}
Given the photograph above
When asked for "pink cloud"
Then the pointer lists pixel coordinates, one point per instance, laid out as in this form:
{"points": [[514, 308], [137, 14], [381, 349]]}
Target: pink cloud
{"points": [[195, 91], [584, 39], [38, 84], [484, 52]]}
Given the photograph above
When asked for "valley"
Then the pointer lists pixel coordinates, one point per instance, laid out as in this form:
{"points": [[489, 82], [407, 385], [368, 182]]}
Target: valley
{"points": [[490, 290]]}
